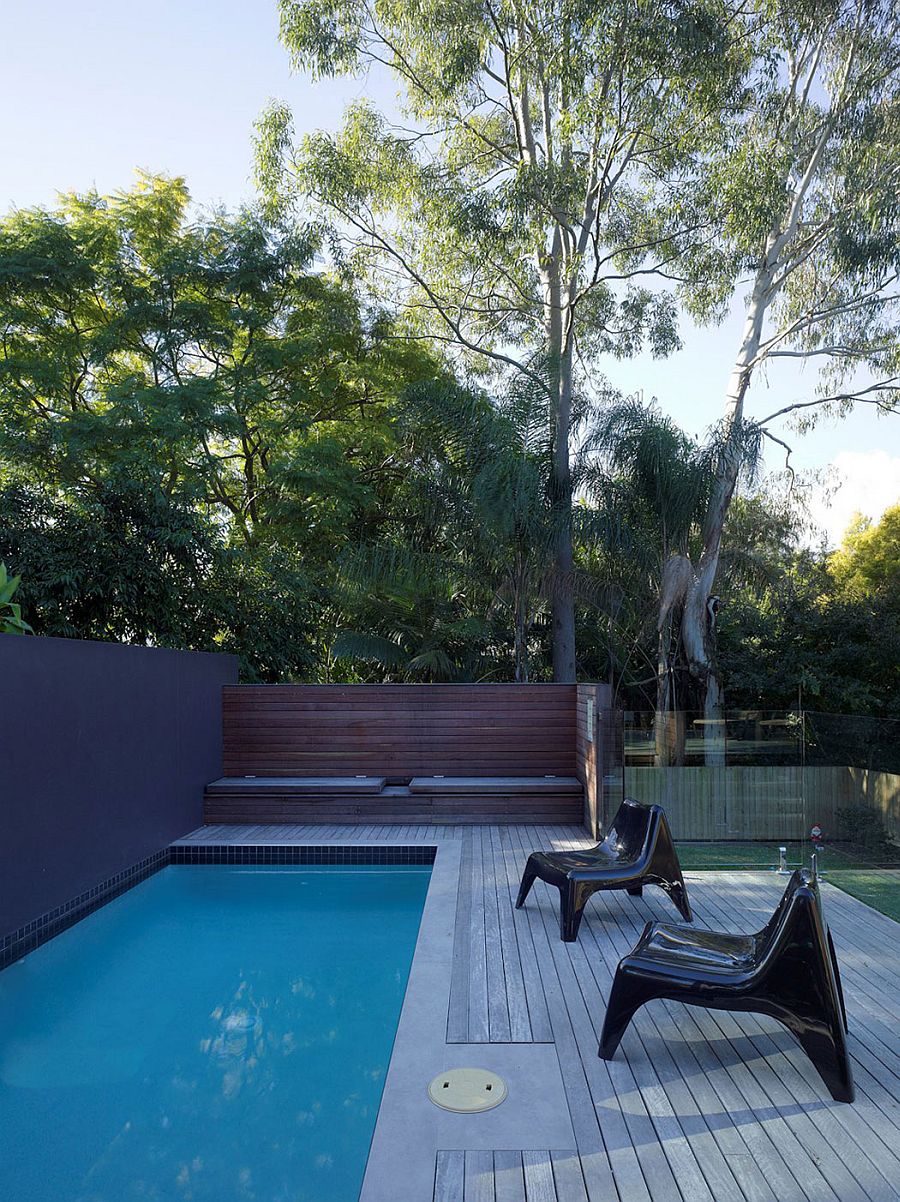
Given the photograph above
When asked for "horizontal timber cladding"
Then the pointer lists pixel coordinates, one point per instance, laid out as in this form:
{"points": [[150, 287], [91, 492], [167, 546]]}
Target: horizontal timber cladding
{"points": [[414, 808], [398, 730]]}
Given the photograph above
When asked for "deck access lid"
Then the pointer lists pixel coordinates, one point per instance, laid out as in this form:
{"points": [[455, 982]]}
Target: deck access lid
{"points": [[467, 1090]]}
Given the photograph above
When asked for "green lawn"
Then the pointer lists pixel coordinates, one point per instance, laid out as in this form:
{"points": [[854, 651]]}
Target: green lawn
{"points": [[876, 888], [761, 855], [843, 867]]}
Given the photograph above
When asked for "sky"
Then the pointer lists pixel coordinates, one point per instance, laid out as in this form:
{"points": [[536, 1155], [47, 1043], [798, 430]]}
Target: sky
{"points": [[92, 91]]}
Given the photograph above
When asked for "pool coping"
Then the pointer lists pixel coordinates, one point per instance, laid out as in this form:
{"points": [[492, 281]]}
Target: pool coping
{"points": [[410, 1130]]}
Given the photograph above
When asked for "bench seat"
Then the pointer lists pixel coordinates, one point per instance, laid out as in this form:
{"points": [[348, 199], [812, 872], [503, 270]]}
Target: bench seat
{"points": [[426, 799], [507, 785], [297, 784]]}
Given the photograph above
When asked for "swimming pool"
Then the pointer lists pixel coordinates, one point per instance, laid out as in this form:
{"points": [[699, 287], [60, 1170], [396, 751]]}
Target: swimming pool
{"points": [[217, 1033]]}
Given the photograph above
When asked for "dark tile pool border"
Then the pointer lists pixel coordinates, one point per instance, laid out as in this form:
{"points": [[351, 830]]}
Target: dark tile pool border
{"points": [[263, 853], [19, 943]]}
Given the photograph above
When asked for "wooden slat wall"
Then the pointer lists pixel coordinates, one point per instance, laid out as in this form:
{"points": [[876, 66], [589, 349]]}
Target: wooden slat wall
{"points": [[399, 730]]}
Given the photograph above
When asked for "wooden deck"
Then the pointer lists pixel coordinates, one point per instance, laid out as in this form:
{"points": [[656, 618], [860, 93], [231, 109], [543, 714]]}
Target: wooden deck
{"points": [[698, 1106]]}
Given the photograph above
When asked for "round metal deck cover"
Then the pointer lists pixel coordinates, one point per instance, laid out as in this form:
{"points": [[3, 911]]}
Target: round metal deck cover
{"points": [[467, 1090]]}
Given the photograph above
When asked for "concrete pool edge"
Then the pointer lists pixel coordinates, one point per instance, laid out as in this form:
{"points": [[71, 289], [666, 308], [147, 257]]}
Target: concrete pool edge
{"points": [[410, 1130]]}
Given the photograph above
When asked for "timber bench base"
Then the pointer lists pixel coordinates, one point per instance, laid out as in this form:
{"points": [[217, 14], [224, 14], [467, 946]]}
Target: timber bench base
{"points": [[435, 799]]}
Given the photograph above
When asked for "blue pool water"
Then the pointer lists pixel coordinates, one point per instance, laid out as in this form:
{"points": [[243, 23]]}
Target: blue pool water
{"points": [[216, 1034]]}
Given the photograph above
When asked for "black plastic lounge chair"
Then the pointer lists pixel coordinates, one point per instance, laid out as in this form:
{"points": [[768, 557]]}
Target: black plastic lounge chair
{"points": [[637, 851], [788, 970]]}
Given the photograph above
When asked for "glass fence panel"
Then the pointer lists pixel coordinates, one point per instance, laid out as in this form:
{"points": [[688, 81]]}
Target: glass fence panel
{"points": [[763, 789]]}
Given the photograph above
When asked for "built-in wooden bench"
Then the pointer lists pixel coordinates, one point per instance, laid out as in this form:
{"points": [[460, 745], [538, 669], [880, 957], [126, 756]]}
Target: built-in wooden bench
{"points": [[433, 799], [455, 786], [407, 753], [296, 784]]}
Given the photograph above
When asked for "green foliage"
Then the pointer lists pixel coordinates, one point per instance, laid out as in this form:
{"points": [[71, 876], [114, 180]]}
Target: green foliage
{"points": [[864, 827], [797, 634], [11, 621], [537, 147], [192, 423], [868, 562]]}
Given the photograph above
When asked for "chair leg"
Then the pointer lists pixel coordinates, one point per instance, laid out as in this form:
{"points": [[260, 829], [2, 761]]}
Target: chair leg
{"points": [[665, 870], [635, 891], [837, 980], [528, 878], [827, 1050], [572, 900], [679, 896], [625, 999]]}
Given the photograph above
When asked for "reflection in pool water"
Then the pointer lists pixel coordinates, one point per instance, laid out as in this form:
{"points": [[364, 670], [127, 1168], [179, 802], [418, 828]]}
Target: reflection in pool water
{"points": [[217, 1033]]}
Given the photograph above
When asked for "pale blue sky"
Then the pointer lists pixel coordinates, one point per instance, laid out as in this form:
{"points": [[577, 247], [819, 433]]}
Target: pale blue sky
{"points": [[90, 91]]}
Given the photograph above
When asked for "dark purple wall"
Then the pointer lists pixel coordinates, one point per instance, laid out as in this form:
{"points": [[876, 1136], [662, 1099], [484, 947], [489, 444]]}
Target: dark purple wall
{"points": [[104, 752]]}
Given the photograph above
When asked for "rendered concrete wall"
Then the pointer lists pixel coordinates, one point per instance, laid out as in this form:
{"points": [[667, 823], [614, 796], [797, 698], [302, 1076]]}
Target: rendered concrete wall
{"points": [[104, 752]]}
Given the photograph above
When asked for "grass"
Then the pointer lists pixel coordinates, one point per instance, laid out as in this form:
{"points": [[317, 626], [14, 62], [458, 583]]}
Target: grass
{"points": [[876, 887], [844, 866]]}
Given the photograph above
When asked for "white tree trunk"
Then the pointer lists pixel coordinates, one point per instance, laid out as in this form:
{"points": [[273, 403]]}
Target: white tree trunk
{"points": [[698, 622]]}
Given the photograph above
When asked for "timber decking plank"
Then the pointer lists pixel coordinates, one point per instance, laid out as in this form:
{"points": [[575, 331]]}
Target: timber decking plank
{"points": [[509, 1177], [532, 985], [497, 986], [458, 1012], [568, 1177], [520, 1029], [479, 1024], [449, 1176], [479, 1185], [539, 1184]]}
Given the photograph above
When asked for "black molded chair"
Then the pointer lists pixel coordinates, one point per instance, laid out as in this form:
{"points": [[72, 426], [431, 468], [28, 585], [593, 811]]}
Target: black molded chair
{"points": [[637, 851], [787, 970]]}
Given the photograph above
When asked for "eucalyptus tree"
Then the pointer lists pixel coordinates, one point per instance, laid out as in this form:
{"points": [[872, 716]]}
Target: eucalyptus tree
{"points": [[809, 204], [541, 172]]}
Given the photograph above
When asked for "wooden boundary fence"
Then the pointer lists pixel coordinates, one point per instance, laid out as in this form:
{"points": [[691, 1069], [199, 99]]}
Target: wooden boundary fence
{"points": [[776, 803]]}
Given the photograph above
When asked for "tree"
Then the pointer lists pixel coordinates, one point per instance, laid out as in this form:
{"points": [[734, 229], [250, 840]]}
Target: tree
{"points": [[868, 561], [544, 172], [192, 423], [663, 477], [801, 639], [482, 528], [808, 198], [205, 357]]}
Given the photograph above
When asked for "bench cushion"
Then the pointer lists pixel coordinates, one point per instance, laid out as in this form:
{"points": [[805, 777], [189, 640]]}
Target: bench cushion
{"points": [[495, 784], [299, 784]]}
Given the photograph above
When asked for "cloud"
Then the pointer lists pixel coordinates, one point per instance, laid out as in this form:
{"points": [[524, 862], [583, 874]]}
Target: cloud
{"points": [[866, 482]]}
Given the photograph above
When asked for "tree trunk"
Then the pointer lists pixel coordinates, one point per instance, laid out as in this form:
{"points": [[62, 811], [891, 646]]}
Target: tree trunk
{"points": [[698, 622], [521, 630], [561, 387], [669, 719]]}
